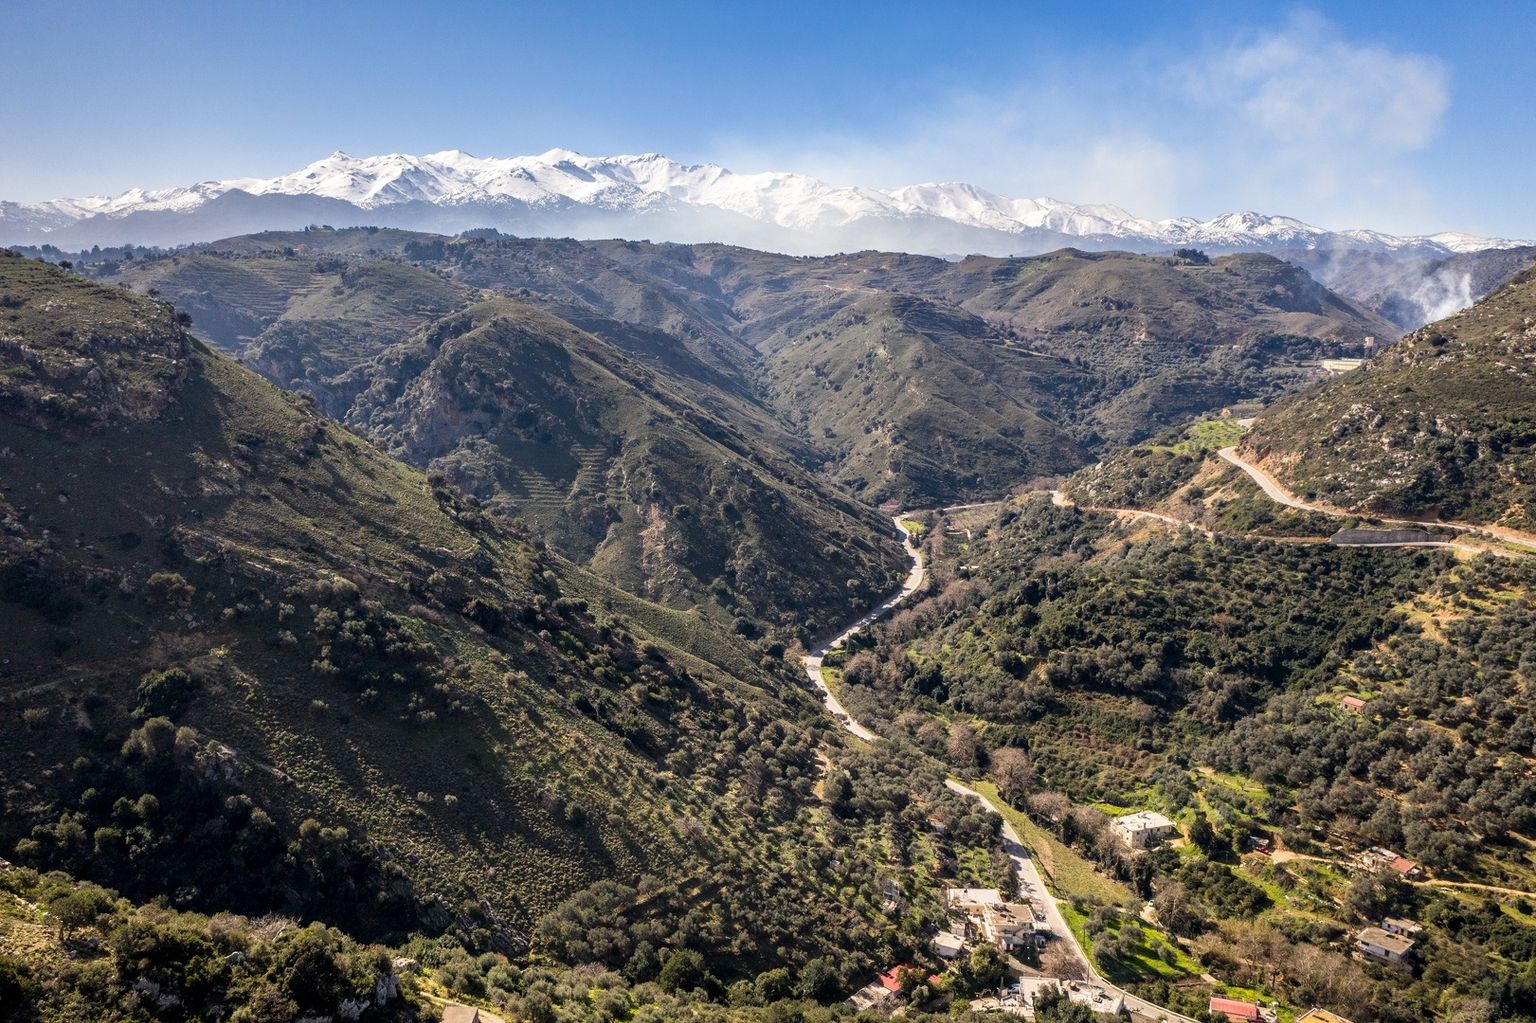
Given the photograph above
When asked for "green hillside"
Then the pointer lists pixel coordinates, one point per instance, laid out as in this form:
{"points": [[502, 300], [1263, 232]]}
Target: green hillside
{"points": [[623, 470], [917, 402], [627, 448], [1089, 349], [1441, 424], [253, 664], [1094, 665]]}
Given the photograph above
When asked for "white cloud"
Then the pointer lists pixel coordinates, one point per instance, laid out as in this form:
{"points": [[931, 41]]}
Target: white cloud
{"points": [[1306, 85], [1294, 119]]}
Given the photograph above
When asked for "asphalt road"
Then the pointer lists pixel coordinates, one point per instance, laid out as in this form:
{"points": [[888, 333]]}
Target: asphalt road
{"points": [[1031, 884]]}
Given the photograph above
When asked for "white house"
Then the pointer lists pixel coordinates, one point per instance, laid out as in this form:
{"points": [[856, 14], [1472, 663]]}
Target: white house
{"points": [[1143, 830], [948, 945], [1383, 946], [963, 899], [1008, 926]]}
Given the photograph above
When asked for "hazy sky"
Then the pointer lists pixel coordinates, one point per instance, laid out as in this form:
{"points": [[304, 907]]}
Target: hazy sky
{"points": [[1408, 117]]}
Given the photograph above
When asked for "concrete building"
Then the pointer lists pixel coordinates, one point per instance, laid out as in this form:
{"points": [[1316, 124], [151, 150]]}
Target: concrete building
{"points": [[1383, 946], [1144, 830], [1009, 926], [1401, 925], [948, 945]]}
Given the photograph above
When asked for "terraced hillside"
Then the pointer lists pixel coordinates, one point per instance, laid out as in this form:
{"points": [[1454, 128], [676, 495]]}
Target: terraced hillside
{"points": [[253, 664], [1442, 424]]}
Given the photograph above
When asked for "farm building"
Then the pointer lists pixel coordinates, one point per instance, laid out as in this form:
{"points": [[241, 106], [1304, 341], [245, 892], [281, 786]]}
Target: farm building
{"points": [[1143, 830]]}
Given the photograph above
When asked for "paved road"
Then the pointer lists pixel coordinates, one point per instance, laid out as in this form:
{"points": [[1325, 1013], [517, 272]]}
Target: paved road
{"points": [[812, 661], [1061, 500], [1033, 887], [1030, 882], [1272, 488], [1277, 493]]}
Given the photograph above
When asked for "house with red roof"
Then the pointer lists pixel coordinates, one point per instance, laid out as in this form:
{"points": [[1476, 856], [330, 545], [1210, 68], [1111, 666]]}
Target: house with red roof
{"points": [[1236, 1011]]}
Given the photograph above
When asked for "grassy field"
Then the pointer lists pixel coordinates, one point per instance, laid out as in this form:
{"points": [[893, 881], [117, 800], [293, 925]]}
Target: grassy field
{"points": [[1067, 872], [1209, 435]]}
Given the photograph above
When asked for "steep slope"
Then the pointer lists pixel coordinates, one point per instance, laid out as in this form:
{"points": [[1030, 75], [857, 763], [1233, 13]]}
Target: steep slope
{"points": [[1441, 424], [1003, 370], [1163, 339], [920, 403], [300, 322], [253, 664], [620, 468], [640, 452], [1414, 289], [1169, 338]]}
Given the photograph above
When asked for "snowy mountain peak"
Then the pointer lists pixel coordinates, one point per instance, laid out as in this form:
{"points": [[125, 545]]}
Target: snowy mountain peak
{"points": [[561, 190]]}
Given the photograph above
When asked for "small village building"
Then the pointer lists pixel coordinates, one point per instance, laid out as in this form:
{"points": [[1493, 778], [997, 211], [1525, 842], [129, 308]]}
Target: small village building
{"points": [[962, 899], [1099, 999], [872, 997], [1401, 925], [1234, 1010], [1353, 704], [948, 945], [1383, 946], [1144, 830], [1379, 859], [1009, 926], [1023, 998]]}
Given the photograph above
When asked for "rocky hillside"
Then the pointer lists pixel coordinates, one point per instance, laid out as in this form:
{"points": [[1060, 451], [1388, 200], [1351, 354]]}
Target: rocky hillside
{"points": [[632, 449], [1441, 424], [1117, 345]]}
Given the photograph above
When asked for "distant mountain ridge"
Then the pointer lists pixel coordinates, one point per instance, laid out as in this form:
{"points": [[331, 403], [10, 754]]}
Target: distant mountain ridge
{"points": [[562, 192]]}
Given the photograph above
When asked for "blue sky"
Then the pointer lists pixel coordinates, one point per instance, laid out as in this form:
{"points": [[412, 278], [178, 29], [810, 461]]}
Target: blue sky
{"points": [[1409, 117]]}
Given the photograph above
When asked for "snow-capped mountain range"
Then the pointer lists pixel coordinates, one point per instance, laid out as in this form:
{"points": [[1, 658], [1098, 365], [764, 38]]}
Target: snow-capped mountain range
{"points": [[565, 193]]}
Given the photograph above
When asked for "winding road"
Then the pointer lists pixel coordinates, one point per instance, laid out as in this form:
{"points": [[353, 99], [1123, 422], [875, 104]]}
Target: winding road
{"points": [[812, 661], [1031, 884], [1280, 495]]}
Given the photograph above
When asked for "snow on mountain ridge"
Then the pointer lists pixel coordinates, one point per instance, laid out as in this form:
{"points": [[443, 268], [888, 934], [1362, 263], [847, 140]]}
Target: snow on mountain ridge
{"points": [[646, 181]]}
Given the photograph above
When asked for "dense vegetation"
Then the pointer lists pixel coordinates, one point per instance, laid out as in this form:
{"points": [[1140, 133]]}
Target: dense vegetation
{"points": [[255, 667], [1094, 666], [627, 452], [253, 664], [258, 667]]}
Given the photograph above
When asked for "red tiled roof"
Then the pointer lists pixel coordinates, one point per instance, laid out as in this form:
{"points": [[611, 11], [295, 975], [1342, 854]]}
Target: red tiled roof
{"points": [[890, 979], [1234, 1009], [1404, 865]]}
